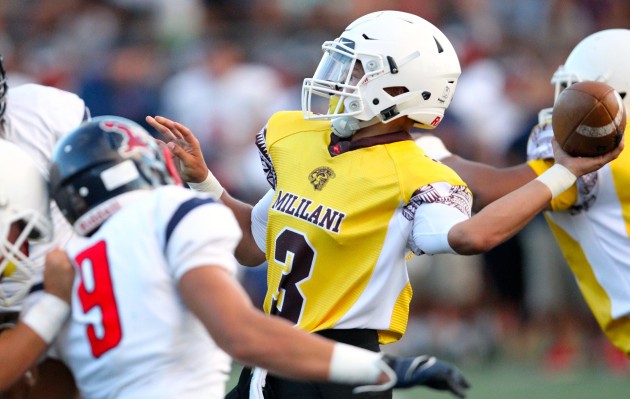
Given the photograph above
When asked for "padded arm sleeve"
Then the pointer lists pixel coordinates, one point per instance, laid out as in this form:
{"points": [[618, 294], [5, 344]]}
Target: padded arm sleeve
{"points": [[431, 224]]}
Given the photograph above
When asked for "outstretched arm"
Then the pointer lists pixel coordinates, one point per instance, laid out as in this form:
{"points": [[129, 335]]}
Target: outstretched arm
{"points": [[506, 216], [272, 343], [184, 146], [487, 183]]}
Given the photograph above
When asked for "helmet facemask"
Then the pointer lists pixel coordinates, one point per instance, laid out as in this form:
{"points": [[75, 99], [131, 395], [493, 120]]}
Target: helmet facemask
{"points": [[17, 269], [564, 78], [339, 79]]}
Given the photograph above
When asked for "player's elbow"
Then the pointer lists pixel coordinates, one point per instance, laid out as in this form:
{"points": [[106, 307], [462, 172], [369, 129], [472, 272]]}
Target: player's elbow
{"points": [[466, 242], [250, 259], [241, 347], [233, 347], [480, 201], [242, 354], [248, 254]]}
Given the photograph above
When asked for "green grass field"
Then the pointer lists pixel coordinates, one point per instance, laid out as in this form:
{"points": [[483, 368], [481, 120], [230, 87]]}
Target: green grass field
{"points": [[512, 381], [520, 381]]}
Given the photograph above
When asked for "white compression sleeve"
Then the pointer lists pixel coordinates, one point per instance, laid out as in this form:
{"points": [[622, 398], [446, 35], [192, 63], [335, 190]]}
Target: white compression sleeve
{"points": [[431, 225]]}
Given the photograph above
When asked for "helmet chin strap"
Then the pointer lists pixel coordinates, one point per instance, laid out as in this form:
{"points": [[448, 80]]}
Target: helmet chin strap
{"points": [[346, 126]]}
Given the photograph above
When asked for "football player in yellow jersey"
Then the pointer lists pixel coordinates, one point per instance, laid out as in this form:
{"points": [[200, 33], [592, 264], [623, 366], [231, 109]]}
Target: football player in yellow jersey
{"points": [[352, 194], [590, 221]]}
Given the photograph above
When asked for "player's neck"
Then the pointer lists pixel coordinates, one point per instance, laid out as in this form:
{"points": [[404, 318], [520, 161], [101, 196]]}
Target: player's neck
{"points": [[398, 125]]}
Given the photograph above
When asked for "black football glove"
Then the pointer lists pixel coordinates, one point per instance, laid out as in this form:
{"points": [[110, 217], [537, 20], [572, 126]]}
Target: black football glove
{"points": [[428, 371]]}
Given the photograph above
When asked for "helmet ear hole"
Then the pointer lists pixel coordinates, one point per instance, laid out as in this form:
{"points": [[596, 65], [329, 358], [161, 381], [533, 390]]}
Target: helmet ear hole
{"points": [[396, 90]]}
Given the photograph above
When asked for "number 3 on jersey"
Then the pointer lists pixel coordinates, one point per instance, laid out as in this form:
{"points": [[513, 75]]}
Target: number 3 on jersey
{"points": [[294, 251], [96, 291]]}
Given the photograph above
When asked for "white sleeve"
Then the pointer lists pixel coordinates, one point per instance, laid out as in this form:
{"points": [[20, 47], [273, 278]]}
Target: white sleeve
{"points": [[61, 111], [431, 224], [207, 235], [260, 213], [68, 112]]}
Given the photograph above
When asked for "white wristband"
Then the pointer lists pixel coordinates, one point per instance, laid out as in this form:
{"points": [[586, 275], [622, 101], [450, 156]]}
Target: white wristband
{"points": [[210, 185], [352, 365], [558, 179], [433, 146], [47, 316]]}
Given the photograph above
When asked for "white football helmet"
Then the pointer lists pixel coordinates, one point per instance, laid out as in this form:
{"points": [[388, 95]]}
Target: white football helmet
{"points": [[23, 200], [380, 51], [601, 57]]}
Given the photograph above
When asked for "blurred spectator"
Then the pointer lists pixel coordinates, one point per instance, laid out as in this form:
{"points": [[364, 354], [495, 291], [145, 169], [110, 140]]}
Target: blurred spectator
{"points": [[225, 100], [124, 83]]}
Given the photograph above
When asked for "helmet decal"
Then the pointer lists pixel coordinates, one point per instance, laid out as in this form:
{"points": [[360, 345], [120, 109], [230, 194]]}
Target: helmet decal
{"points": [[132, 142]]}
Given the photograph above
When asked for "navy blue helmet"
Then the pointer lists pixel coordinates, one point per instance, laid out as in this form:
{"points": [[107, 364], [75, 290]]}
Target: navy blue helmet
{"points": [[100, 160]]}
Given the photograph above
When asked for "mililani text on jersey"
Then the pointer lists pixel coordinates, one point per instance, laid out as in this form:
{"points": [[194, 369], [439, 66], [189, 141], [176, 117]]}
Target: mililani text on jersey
{"points": [[296, 206]]}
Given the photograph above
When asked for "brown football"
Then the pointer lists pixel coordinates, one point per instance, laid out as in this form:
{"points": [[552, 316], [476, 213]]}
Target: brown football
{"points": [[588, 119]]}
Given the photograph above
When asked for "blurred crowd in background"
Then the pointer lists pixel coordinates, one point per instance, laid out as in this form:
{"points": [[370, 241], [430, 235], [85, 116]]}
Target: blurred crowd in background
{"points": [[222, 67]]}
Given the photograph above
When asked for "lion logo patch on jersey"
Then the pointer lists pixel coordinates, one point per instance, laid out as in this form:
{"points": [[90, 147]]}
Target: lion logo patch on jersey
{"points": [[320, 176]]}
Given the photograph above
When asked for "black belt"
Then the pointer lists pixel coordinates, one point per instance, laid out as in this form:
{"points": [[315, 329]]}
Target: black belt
{"points": [[363, 338]]}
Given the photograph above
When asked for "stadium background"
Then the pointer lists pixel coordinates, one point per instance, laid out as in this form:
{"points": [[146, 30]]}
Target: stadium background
{"points": [[513, 318]]}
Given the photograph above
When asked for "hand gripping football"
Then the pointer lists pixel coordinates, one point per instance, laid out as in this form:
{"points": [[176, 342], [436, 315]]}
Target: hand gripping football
{"points": [[588, 119]]}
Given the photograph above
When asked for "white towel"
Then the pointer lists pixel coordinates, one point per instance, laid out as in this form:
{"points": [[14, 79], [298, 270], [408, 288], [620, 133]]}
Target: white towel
{"points": [[259, 377]]}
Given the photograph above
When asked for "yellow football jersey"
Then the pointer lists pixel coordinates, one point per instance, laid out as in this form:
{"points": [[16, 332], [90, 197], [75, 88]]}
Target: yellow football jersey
{"points": [[591, 223], [339, 223]]}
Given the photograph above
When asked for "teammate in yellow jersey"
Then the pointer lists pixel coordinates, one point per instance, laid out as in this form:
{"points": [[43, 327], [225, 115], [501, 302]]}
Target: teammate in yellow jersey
{"points": [[591, 221], [352, 194]]}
